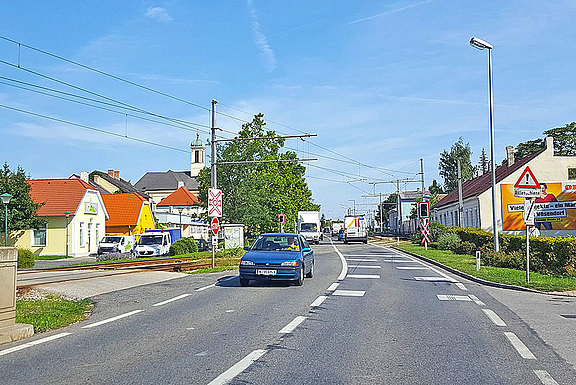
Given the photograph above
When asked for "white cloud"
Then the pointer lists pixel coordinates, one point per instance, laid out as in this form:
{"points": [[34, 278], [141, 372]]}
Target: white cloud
{"points": [[159, 14], [390, 11], [260, 40]]}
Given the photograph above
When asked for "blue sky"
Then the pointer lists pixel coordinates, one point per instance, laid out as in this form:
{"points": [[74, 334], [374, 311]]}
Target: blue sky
{"points": [[382, 83]]}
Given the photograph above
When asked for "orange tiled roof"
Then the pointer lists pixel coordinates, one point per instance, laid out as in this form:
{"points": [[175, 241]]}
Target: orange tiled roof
{"points": [[180, 197], [58, 195], [123, 209]]}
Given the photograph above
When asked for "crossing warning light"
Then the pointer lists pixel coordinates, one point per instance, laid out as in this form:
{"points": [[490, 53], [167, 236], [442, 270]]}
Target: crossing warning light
{"points": [[281, 218], [423, 209]]}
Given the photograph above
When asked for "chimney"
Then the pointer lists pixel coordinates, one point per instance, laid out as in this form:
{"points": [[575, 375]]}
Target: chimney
{"points": [[111, 173], [117, 174], [550, 143], [84, 176], [510, 155]]}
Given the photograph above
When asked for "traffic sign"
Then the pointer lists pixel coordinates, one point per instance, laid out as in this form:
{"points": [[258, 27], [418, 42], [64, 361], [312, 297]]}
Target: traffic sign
{"points": [[527, 180], [529, 212], [214, 202], [215, 226], [423, 210]]}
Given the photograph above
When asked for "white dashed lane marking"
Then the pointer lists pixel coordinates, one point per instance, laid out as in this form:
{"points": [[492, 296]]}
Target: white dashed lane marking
{"points": [[292, 325], [519, 346], [494, 317], [318, 301], [443, 297], [362, 276], [33, 343], [112, 319], [171, 300], [333, 286], [545, 377], [238, 368]]}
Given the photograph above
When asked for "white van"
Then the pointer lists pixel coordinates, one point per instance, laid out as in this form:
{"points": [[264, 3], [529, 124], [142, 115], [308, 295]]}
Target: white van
{"points": [[154, 243], [355, 229], [115, 244]]}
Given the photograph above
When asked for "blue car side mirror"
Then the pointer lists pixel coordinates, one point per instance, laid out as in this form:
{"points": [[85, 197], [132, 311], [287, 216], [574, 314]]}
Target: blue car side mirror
{"points": [[247, 248], [306, 249]]}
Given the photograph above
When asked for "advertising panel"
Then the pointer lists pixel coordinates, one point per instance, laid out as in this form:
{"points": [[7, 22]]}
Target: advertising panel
{"points": [[555, 208]]}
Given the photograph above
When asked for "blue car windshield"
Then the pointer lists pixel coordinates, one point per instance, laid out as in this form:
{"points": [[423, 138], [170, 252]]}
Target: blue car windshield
{"points": [[277, 243]]}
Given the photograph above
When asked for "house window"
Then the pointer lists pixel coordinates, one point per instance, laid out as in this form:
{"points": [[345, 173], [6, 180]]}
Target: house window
{"points": [[81, 234], [196, 156], [39, 237], [571, 172], [97, 233]]}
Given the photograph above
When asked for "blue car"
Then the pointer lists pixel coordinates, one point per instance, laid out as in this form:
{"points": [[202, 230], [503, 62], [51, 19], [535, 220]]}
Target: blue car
{"points": [[277, 257]]}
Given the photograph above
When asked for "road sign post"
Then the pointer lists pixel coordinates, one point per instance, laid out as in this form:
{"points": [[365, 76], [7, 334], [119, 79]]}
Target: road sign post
{"points": [[527, 187], [215, 226], [424, 215]]}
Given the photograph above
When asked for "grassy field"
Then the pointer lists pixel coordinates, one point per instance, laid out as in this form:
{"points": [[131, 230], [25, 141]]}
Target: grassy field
{"points": [[52, 312], [467, 264]]}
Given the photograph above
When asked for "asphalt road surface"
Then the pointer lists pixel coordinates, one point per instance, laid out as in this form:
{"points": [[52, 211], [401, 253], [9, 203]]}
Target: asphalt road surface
{"points": [[370, 315]]}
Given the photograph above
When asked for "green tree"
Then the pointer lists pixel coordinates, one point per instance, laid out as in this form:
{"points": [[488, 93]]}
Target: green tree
{"points": [[448, 165], [526, 148], [483, 164], [387, 205], [21, 209], [564, 139], [255, 193]]}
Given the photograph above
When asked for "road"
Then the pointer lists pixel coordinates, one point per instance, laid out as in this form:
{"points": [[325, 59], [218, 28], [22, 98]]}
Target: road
{"points": [[369, 316]]}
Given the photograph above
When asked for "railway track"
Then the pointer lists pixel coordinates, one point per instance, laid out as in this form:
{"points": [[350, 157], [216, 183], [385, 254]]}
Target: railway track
{"points": [[33, 277]]}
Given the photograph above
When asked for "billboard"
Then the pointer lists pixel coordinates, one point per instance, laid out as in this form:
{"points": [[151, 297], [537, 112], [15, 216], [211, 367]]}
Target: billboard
{"points": [[555, 209]]}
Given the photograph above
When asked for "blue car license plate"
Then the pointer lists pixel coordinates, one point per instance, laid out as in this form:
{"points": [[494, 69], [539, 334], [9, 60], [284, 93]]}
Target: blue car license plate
{"points": [[265, 272]]}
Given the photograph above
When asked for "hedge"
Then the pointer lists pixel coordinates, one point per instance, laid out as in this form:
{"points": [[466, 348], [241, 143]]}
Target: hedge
{"points": [[187, 245]]}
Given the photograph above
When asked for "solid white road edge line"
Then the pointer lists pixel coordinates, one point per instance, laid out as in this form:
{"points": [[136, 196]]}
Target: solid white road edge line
{"points": [[344, 263], [318, 301], [545, 377], [238, 368], [33, 343], [519, 346], [292, 325], [171, 300], [494, 317], [112, 319]]}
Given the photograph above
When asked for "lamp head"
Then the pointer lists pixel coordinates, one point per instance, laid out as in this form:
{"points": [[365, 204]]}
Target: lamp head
{"points": [[6, 197], [480, 44]]}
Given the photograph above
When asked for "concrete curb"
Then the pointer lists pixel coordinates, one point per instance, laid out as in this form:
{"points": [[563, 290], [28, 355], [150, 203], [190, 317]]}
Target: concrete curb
{"points": [[476, 279]]}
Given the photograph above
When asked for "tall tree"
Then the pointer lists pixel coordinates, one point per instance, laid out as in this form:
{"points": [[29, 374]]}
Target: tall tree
{"points": [[255, 193], [448, 165], [21, 209], [483, 164], [564, 139], [526, 148]]}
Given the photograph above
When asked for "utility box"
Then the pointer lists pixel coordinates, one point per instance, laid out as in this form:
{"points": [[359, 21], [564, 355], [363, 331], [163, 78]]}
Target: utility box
{"points": [[9, 330], [233, 236]]}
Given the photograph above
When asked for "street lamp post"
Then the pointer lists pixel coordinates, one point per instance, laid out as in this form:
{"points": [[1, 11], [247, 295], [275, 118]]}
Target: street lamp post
{"points": [[481, 44], [354, 202], [67, 216], [6, 197], [180, 209]]}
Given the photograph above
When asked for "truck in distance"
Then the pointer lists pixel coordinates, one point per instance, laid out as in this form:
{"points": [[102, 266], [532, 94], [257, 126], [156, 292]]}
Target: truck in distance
{"points": [[355, 228], [309, 225]]}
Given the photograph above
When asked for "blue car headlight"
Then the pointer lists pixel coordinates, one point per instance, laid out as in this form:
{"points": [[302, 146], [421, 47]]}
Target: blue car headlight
{"points": [[246, 263], [290, 263]]}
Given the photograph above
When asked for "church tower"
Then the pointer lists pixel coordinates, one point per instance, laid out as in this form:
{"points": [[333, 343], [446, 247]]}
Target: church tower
{"points": [[198, 153]]}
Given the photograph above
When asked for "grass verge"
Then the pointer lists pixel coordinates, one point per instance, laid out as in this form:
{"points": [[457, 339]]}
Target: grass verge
{"points": [[467, 264], [52, 312], [48, 257]]}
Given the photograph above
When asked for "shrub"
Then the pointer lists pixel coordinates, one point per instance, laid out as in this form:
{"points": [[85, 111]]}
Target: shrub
{"points": [[187, 245], [448, 240], [416, 238], [436, 229], [465, 248], [25, 259]]}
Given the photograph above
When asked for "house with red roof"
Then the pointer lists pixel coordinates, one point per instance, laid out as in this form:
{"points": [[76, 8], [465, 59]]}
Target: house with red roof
{"points": [[75, 215], [129, 214], [182, 209], [554, 216]]}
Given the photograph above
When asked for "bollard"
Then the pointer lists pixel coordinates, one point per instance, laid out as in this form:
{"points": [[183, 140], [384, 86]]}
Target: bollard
{"points": [[477, 260]]}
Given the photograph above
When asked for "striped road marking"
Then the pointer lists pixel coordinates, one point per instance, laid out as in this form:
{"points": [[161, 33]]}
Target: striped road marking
{"points": [[494, 317], [461, 286], [238, 368], [333, 286], [364, 267], [33, 343], [361, 260], [412, 268], [112, 319], [435, 279], [519, 346], [363, 276], [476, 300], [349, 293], [443, 297]]}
